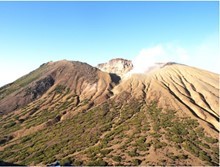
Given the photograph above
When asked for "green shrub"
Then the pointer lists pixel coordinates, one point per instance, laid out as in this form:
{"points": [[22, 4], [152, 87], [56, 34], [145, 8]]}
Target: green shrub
{"points": [[117, 158], [191, 122], [106, 151], [133, 153], [10, 124], [192, 135], [211, 140], [155, 135], [77, 163], [191, 147], [66, 162], [205, 145], [179, 129], [143, 147], [215, 150], [26, 138], [136, 162], [141, 140], [94, 150], [200, 132], [98, 162], [106, 127], [177, 139], [156, 127], [183, 156], [157, 144], [59, 89], [203, 156]]}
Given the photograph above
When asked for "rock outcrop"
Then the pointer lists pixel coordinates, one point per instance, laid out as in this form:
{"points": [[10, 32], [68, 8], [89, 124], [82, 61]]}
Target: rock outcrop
{"points": [[117, 66], [73, 112]]}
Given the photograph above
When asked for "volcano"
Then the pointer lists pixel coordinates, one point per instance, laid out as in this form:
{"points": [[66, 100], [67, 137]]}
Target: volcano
{"points": [[71, 112]]}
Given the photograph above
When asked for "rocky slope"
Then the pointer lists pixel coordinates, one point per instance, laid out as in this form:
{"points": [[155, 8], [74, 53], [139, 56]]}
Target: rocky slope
{"points": [[80, 115], [116, 66], [81, 79]]}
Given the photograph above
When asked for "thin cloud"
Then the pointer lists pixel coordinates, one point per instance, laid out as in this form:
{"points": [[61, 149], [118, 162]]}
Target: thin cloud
{"points": [[161, 53]]}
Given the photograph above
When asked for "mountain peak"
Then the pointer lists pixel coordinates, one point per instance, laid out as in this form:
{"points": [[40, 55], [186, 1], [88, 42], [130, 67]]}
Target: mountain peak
{"points": [[145, 119], [117, 66]]}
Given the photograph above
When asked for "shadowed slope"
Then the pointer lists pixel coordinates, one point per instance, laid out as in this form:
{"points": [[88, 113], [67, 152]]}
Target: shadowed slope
{"points": [[80, 78]]}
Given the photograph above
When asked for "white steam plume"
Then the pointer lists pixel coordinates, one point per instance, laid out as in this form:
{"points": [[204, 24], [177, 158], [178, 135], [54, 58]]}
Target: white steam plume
{"points": [[149, 57]]}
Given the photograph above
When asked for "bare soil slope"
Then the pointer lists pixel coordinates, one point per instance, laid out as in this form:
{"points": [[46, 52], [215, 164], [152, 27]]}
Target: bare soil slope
{"points": [[80, 78], [193, 91], [80, 115]]}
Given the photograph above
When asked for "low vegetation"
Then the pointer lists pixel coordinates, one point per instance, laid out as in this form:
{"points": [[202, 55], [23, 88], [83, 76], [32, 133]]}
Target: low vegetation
{"points": [[114, 133]]}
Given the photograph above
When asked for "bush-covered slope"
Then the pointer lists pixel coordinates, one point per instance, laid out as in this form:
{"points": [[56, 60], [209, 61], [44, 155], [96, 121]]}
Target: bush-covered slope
{"points": [[114, 133], [75, 114]]}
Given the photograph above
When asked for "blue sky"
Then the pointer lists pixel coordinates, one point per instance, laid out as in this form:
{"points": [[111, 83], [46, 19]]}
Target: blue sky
{"points": [[32, 33]]}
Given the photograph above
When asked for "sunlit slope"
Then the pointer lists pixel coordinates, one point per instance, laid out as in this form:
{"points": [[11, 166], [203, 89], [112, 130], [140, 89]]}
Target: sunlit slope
{"points": [[188, 90], [79, 115], [81, 79], [121, 131]]}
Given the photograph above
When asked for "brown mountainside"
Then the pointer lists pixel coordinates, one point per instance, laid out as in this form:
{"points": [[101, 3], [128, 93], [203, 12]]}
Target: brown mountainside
{"points": [[81, 79], [186, 89], [81, 115]]}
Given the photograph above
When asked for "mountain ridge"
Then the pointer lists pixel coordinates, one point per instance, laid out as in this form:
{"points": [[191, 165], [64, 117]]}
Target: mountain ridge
{"points": [[81, 115]]}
